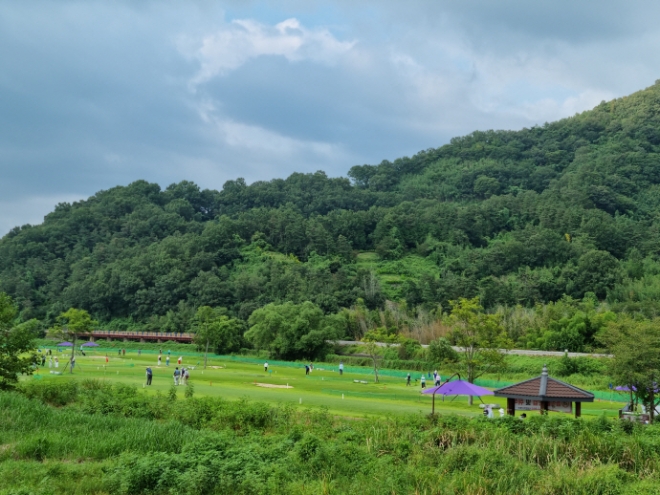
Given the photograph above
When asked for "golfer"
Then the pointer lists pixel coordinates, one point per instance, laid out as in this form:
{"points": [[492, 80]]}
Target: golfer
{"points": [[306, 370], [177, 374], [341, 368], [149, 375], [408, 380], [266, 367], [160, 359], [167, 361], [437, 377], [423, 381]]}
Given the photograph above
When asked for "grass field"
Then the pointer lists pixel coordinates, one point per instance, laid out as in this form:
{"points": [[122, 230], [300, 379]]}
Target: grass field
{"points": [[231, 379]]}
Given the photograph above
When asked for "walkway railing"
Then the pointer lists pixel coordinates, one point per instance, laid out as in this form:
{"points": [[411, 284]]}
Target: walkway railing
{"points": [[162, 336]]}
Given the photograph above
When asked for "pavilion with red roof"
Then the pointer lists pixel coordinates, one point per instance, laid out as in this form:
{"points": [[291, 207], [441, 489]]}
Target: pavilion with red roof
{"points": [[544, 393]]}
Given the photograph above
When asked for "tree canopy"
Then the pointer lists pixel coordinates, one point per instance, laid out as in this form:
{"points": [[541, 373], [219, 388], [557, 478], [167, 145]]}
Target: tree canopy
{"points": [[17, 354], [517, 218]]}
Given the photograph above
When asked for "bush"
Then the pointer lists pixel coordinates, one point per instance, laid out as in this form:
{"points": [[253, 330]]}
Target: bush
{"points": [[51, 392], [580, 365], [440, 352]]}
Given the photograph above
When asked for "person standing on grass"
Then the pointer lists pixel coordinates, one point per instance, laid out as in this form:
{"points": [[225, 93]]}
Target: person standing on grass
{"points": [[266, 367], [180, 360], [177, 374], [423, 381], [106, 359], [167, 361], [57, 362], [408, 380], [168, 352], [149, 375], [160, 359], [306, 370], [341, 368], [437, 378]]}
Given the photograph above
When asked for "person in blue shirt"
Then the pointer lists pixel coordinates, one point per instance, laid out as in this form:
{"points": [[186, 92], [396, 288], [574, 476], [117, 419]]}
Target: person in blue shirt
{"points": [[149, 375]]}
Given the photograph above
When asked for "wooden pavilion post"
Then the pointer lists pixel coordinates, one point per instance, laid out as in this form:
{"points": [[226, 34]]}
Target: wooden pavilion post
{"points": [[544, 407], [578, 409], [511, 406]]}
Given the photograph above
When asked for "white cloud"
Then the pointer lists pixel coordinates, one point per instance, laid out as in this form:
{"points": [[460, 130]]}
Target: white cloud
{"points": [[246, 39]]}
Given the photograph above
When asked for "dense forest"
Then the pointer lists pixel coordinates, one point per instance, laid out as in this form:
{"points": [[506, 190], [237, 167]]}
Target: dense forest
{"points": [[561, 215]]}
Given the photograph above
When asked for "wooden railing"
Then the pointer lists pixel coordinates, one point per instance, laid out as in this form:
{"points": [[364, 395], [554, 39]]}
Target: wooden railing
{"points": [[162, 336]]}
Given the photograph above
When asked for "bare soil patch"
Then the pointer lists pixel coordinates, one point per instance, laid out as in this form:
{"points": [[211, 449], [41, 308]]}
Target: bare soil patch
{"points": [[272, 385]]}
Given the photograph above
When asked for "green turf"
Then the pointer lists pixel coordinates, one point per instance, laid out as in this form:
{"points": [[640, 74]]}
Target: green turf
{"points": [[225, 377]]}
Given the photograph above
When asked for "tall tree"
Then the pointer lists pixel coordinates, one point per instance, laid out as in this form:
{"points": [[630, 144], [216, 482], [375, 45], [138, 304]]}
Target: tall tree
{"points": [[204, 328], [292, 331], [214, 329], [480, 336], [72, 324], [372, 350], [16, 345], [636, 363]]}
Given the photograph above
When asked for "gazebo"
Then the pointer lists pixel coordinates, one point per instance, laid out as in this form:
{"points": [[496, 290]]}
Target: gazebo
{"points": [[544, 394]]}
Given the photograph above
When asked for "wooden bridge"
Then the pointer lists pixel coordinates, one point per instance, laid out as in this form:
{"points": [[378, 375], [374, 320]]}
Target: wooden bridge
{"points": [[140, 336]]}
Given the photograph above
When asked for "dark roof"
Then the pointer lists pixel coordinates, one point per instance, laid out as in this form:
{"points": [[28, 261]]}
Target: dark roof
{"points": [[545, 388]]}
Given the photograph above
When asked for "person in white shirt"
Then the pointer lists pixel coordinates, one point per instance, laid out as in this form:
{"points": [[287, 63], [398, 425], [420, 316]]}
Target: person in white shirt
{"points": [[266, 367]]}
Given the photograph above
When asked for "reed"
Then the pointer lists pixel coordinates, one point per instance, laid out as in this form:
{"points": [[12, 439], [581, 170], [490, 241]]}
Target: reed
{"points": [[212, 446]]}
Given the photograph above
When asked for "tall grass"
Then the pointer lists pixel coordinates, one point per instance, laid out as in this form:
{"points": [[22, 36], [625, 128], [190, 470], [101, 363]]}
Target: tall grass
{"points": [[209, 446]]}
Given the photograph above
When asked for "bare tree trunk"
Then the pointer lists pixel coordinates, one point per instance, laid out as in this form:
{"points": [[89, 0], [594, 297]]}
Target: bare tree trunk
{"points": [[470, 380], [375, 369], [73, 350]]}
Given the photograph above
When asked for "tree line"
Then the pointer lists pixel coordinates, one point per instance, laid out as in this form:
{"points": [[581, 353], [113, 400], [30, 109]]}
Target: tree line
{"points": [[523, 220]]}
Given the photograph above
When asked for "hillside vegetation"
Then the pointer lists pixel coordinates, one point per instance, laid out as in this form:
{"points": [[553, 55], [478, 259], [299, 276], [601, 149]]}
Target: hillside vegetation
{"points": [[568, 211]]}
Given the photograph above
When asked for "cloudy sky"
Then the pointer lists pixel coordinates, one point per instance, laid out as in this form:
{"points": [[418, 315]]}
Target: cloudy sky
{"points": [[96, 94]]}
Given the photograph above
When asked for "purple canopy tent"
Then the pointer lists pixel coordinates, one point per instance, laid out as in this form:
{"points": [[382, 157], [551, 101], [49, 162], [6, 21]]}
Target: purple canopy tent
{"points": [[458, 387]]}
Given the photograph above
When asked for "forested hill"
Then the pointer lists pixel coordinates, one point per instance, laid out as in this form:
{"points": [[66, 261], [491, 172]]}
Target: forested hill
{"points": [[514, 217]]}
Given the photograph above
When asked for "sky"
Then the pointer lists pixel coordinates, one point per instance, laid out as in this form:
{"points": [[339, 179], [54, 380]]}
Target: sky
{"points": [[95, 94]]}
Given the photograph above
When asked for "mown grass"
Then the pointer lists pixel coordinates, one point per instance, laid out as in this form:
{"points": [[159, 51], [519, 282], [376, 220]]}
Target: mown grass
{"points": [[229, 378]]}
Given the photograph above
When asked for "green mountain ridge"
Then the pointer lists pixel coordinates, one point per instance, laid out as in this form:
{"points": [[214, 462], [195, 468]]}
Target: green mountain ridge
{"points": [[515, 217]]}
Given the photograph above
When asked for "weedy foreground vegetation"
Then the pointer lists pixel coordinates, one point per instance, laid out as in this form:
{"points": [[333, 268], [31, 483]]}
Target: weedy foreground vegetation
{"points": [[98, 437]]}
